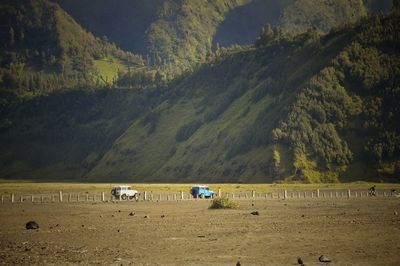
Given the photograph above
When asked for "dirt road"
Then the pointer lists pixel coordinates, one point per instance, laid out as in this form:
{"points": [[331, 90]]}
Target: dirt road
{"points": [[349, 231]]}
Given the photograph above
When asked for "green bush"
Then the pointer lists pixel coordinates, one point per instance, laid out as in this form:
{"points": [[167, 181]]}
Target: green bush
{"points": [[223, 203]]}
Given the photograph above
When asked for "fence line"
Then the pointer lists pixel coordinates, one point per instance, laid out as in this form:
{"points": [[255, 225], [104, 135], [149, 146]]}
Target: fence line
{"points": [[62, 197]]}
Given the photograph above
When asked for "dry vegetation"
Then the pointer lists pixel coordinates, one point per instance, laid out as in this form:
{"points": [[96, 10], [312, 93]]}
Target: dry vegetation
{"points": [[8, 186]]}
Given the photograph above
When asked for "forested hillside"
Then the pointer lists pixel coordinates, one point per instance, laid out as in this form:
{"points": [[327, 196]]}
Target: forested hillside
{"points": [[178, 34], [311, 107], [43, 50]]}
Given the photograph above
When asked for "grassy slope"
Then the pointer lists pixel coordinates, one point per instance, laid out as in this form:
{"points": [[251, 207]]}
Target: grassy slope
{"points": [[159, 157], [108, 69], [110, 134], [237, 144]]}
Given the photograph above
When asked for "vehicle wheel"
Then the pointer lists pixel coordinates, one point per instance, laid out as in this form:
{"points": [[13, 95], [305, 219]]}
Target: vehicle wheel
{"points": [[123, 197]]}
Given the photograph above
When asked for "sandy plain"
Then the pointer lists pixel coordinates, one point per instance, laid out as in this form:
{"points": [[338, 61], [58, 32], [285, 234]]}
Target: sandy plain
{"points": [[355, 231]]}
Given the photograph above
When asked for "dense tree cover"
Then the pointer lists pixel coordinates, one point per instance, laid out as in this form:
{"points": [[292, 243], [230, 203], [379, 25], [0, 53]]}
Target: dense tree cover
{"points": [[45, 50], [361, 85], [179, 34], [311, 107], [304, 14]]}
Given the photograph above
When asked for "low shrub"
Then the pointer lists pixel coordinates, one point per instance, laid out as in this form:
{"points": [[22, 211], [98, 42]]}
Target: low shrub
{"points": [[223, 203]]}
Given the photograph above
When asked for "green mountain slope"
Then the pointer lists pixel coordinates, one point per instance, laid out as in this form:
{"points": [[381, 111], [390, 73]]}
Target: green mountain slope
{"points": [[306, 108], [181, 33], [44, 49], [310, 109]]}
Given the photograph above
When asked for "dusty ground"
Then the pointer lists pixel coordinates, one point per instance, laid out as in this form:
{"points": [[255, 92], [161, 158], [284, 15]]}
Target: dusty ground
{"points": [[349, 231]]}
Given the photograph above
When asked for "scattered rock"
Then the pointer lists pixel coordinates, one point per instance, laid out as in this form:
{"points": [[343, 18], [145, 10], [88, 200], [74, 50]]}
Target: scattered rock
{"points": [[255, 213], [163, 216], [132, 214], [57, 225], [395, 213], [302, 215], [83, 225], [252, 204], [325, 259], [118, 230], [238, 263], [112, 215], [201, 236], [146, 216], [32, 225], [119, 210], [300, 261]]}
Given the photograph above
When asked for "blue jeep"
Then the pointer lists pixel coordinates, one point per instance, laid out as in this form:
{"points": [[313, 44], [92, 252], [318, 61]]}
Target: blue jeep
{"points": [[202, 192]]}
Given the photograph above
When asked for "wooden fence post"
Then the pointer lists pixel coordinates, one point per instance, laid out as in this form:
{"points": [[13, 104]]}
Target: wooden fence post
{"points": [[317, 193], [32, 198], [219, 192], [22, 199], [233, 195], [331, 194], [285, 194], [60, 196], [12, 198], [103, 197], [145, 196], [253, 194], [41, 198], [182, 195], [348, 193], [2, 199], [69, 197]]}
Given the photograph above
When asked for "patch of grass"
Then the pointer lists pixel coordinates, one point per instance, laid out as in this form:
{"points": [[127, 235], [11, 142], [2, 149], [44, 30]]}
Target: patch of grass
{"points": [[223, 203], [108, 69]]}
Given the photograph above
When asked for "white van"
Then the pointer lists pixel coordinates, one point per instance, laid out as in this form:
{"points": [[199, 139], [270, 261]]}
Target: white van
{"points": [[124, 192]]}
